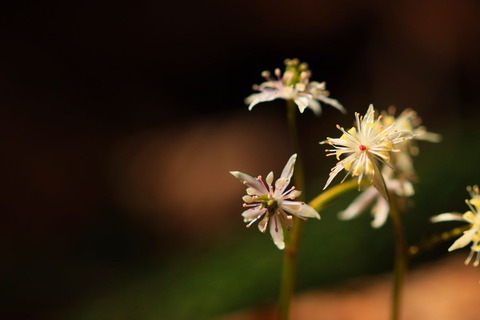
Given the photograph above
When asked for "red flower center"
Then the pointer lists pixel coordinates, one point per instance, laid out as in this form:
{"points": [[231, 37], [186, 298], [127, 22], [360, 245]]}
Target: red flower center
{"points": [[362, 147]]}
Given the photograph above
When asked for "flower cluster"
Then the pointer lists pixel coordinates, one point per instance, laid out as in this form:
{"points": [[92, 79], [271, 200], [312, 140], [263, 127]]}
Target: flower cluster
{"points": [[365, 146], [273, 204], [294, 85], [473, 218], [400, 174]]}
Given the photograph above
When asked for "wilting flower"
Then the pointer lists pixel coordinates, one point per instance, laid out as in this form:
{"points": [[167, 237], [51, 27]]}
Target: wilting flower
{"points": [[273, 204], [473, 218], [365, 146], [294, 85]]}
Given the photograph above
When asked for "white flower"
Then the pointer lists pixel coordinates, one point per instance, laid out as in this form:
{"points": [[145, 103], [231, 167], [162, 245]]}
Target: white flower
{"points": [[365, 146], [273, 204], [400, 175], [473, 218], [380, 208], [293, 85], [408, 120]]}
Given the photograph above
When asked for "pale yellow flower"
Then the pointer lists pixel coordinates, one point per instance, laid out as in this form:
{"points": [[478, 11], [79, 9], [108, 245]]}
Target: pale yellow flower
{"points": [[472, 235], [365, 146]]}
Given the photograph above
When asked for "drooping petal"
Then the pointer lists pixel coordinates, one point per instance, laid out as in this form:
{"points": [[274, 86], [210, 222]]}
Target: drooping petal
{"points": [[257, 98], [315, 106], [302, 103], [276, 231], [378, 181], [360, 204], [333, 102], [380, 213]]}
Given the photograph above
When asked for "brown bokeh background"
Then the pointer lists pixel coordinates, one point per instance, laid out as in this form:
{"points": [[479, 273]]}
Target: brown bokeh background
{"points": [[120, 122]]}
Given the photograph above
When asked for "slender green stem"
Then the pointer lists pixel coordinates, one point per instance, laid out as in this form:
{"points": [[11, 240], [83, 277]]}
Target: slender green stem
{"points": [[401, 256], [287, 284]]}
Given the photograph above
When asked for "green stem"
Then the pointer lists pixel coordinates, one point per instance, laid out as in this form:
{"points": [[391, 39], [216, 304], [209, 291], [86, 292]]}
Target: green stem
{"points": [[400, 267], [287, 284]]}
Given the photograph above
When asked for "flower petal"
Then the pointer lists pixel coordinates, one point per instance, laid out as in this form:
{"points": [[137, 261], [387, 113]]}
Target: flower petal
{"points": [[253, 213], [250, 181], [276, 231], [463, 240], [333, 102], [380, 213], [257, 98], [307, 212], [359, 204], [288, 170], [447, 217], [378, 181]]}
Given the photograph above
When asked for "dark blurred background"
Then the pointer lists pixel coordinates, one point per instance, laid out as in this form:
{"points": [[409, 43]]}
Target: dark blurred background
{"points": [[120, 123]]}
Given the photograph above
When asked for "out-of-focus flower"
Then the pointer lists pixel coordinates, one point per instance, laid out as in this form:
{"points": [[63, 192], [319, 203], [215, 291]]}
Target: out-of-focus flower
{"points": [[365, 146], [473, 218], [273, 204], [408, 120], [294, 85]]}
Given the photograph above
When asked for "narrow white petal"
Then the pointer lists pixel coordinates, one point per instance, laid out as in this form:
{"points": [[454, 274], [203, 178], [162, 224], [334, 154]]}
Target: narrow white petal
{"points": [[380, 212], [378, 181], [252, 214], [262, 225], [315, 106], [302, 103], [333, 173], [288, 170], [291, 206], [447, 217], [249, 180], [333, 102], [307, 212], [463, 240], [276, 231], [257, 98], [269, 178], [360, 204]]}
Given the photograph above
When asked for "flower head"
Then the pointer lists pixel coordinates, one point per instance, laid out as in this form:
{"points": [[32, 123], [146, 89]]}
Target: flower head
{"points": [[365, 145], [473, 218], [273, 204], [400, 175], [294, 85]]}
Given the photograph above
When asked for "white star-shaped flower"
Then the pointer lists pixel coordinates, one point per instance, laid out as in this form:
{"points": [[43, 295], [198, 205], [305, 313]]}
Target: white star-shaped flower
{"points": [[473, 218], [365, 146], [400, 175], [273, 204], [294, 85]]}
